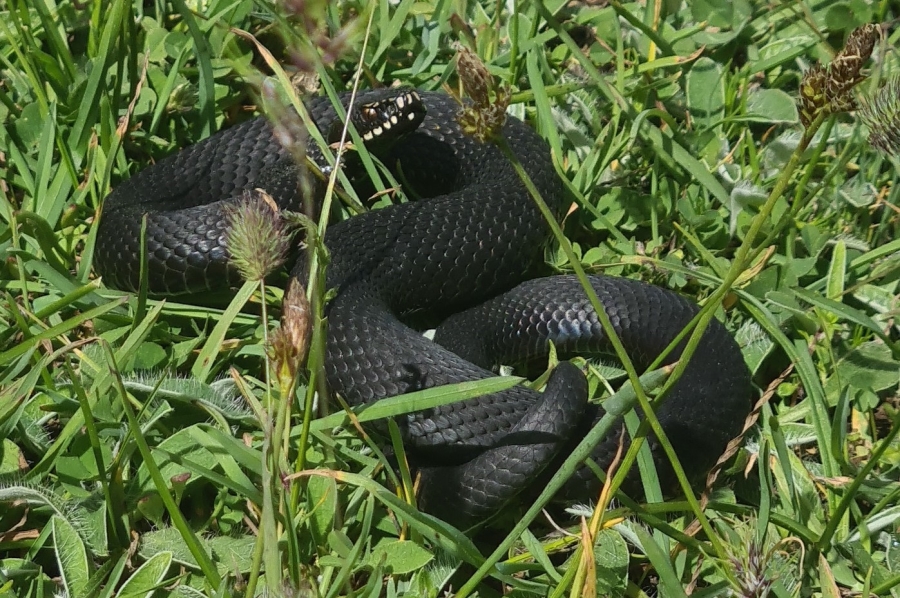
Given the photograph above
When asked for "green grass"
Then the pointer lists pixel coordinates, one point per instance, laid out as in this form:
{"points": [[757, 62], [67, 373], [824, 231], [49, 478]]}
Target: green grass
{"points": [[144, 442]]}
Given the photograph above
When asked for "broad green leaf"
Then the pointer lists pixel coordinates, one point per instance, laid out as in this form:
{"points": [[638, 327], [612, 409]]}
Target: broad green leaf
{"points": [[191, 450], [837, 272], [539, 554], [11, 457], [148, 577], [869, 366], [781, 51], [611, 558], [400, 557], [706, 92], [220, 396], [658, 556], [322, 494], [886, 519], [231, 554], [71, 556], [843, 311], [826, 579], [771, 106]]}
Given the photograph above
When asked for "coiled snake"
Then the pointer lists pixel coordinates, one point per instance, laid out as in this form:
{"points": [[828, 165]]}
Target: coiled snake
{"points": [[465, 258]]}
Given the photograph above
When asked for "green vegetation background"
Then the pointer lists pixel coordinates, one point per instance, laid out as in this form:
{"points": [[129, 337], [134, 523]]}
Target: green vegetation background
{"points": [[136, 454]]}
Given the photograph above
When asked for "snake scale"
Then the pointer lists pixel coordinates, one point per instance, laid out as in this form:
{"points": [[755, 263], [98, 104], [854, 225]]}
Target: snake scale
{"points": [[466, 257]]}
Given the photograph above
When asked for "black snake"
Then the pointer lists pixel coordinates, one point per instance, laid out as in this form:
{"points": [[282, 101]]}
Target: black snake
{"points": [[464, 258]]}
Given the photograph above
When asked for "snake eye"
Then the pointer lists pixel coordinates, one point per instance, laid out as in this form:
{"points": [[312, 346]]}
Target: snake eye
{"points": [[370, 113]]}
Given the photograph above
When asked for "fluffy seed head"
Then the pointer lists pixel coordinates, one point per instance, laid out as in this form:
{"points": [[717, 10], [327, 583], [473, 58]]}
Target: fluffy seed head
{"points": [[881, 114], [258, 240]]}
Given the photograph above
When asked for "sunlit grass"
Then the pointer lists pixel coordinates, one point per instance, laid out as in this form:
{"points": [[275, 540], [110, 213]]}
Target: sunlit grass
{"points": [[143, 445]]}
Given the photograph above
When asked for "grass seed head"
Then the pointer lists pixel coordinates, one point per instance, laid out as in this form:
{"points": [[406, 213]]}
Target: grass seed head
{"points": [[289, 343], [881, 114], [312, 35], [183, 99], [287, 126], [828, 89], [485, 116], [752, 579], [258, 240]]}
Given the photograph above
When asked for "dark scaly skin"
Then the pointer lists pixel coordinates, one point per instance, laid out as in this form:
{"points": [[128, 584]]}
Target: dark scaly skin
{"points": [[700, 414], [478, 236], [185, 197]]}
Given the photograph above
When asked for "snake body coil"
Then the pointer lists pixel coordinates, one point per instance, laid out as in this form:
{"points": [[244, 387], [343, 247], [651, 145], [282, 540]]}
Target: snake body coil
{"points": [[456, 259]]}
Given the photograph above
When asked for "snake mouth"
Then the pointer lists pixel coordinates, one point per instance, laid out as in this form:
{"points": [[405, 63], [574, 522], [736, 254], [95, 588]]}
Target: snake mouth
{"points": [[387, 118]]}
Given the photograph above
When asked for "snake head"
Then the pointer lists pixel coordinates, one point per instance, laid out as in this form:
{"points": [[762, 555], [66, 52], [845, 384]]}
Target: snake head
{"points": [[384, 119]]}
